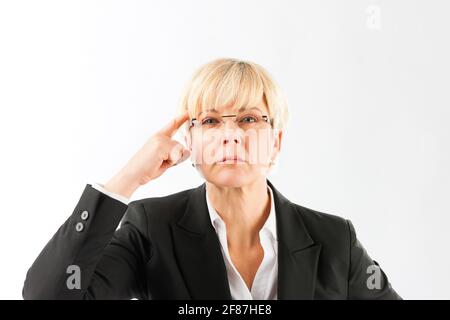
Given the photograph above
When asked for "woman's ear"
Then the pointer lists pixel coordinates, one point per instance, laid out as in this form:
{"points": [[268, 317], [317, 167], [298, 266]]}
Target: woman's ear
{"points": [[187, 140], [278, 137]]}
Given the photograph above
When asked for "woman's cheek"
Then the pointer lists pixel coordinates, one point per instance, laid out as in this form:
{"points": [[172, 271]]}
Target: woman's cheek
{"points": [[258, 144], [204, 149]]}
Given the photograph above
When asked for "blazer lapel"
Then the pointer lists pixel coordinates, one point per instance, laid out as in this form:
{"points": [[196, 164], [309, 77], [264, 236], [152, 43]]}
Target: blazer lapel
{"points": [[199, 254], [198, 251], [298, 255]]}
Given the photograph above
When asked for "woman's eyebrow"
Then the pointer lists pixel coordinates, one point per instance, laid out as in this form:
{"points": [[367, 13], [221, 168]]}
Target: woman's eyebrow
{"points": [[207, 110], [244, 108], [239, 110]]}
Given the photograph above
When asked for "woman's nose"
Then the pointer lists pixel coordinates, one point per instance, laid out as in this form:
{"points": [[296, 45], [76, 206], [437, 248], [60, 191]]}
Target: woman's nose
{"points": [[232, 136]]}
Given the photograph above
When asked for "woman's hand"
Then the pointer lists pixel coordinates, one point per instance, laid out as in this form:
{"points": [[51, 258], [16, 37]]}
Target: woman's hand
{"points": [[158, 154]]}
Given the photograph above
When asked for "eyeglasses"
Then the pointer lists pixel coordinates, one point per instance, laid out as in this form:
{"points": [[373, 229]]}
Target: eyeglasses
{"points": [[245, 120]]}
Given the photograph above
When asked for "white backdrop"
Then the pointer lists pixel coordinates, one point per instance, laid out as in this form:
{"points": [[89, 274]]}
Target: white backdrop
{"points": [[84, 84]]}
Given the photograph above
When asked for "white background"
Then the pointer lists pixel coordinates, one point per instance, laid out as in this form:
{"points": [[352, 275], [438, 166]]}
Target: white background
{"points": [[84, 84]]}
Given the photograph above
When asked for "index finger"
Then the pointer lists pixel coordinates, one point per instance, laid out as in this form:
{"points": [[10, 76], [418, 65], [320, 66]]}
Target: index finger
{"points": [[175, 124]]}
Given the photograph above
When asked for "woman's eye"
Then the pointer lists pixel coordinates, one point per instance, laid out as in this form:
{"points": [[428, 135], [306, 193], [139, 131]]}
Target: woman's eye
{"points": [[209, 121], [247, 119]]}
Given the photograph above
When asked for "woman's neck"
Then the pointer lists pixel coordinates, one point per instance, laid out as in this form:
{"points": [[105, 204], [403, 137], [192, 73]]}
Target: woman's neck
{"points": [[244, 210]]}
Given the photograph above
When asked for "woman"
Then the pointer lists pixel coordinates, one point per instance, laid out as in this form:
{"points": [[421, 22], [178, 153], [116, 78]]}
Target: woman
{"points": [[233, 237]]}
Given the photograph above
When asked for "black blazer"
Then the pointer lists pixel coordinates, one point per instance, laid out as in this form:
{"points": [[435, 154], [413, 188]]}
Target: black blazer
{"points": [[166, 248]]}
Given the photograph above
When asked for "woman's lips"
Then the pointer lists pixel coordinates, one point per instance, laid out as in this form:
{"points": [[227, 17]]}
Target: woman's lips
{"points": [[231, 160]]}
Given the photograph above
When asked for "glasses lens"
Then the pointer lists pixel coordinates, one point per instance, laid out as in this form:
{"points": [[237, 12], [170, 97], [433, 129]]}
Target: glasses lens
{"points": [[249, 119], [210, 120]]}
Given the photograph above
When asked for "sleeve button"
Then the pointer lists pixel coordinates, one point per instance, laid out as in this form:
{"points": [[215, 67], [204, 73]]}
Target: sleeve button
{"points": [[79, 226], [84, 215]]}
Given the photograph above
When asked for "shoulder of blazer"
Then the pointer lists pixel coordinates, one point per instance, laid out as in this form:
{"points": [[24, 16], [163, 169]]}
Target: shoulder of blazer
{"points": [[164, 208], [325, 227]]}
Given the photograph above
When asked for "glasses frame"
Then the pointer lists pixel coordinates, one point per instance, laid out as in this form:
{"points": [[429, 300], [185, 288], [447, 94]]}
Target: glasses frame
{"points": [[265, 118]]}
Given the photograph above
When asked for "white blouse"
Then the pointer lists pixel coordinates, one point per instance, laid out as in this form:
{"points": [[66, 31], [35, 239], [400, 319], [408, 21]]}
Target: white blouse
{"points": [[264, 285]]}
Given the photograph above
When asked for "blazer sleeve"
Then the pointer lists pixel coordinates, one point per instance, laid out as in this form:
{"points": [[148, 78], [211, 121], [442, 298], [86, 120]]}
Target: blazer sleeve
{"points": [[109, 262], [366, 278]]}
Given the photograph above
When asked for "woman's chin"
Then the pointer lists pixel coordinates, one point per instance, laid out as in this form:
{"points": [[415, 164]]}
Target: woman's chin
{"points": [[231, 177]]}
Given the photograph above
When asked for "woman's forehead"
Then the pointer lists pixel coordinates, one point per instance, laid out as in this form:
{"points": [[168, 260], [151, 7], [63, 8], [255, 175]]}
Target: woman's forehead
{"points": [[233, 108]]}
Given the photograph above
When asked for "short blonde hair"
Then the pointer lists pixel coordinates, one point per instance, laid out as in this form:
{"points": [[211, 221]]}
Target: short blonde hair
{"points": [[226, 81]]}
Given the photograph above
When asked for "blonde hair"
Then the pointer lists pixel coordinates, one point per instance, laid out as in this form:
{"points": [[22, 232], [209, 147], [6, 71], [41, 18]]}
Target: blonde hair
{"points": [[226, 81]]}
